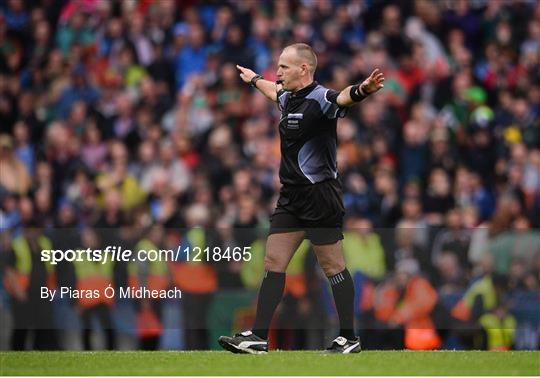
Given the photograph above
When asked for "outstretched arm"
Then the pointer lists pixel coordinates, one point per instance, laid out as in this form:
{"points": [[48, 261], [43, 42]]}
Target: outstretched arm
{"points": [[266, 87], [369, 86]]}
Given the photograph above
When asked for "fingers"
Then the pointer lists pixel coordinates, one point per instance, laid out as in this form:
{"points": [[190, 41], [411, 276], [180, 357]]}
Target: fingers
{"points": [[243, 70], [377, 78], [374, 82], [377, 75]]}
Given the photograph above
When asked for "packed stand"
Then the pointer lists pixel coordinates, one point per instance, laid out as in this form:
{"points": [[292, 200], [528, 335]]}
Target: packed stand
{"points": [[125, 123]]}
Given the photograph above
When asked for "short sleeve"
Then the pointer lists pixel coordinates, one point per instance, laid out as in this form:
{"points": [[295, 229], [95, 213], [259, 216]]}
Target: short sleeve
{"points": [[334, 110], [327, 99]]}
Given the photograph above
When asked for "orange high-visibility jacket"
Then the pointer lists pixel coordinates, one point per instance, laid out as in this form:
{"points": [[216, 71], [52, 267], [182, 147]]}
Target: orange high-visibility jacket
{"points": [[412, 312]]}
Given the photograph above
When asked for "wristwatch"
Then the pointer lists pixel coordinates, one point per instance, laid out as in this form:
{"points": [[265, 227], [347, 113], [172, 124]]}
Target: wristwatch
{"points": [[254, 80]]}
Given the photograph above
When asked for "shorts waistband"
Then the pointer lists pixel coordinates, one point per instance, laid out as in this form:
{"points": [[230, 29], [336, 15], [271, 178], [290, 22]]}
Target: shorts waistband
{"points": [[300, 186]]}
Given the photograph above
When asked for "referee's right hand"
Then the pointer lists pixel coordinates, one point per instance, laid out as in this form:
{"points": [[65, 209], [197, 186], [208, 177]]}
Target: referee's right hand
{"points": [[246, 74]]}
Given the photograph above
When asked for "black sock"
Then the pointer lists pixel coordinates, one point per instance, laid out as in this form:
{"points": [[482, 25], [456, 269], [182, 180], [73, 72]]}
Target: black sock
{"points": [[270, 294], [343, 290]]}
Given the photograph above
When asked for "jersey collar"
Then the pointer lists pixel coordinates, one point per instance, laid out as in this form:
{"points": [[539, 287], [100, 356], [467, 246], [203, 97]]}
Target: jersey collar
{"points": [[304, 91]]}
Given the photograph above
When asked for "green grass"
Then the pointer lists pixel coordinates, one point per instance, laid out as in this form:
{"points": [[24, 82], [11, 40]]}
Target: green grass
{"points": [[274, 363]]}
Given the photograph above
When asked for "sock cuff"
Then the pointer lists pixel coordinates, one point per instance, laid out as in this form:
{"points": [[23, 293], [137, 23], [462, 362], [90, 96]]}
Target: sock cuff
{"points": [[270, 274], [338, 278]]}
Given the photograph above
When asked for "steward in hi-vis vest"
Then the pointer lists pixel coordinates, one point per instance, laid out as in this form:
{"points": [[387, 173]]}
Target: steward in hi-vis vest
{"points": [[24, 277], [153, 275], [407, 301], [95, 277]]}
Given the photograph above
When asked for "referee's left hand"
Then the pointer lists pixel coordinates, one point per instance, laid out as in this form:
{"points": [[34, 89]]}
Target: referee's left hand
{"points": [[374, 82]]}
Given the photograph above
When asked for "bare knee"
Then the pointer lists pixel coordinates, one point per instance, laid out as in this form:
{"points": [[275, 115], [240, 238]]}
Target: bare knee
{"points": [[330, 259], [331, 267], [279, 250], [274, 263]]}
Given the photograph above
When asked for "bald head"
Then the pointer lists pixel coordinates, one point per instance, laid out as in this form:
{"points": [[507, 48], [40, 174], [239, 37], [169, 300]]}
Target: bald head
{"points": [[305, 55], [296, 67]]}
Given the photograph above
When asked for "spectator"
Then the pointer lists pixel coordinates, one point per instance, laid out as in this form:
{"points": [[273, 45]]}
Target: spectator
{"points": [[521, 243], [454, 238], [438, 199], [450, 280], [79, 89], [15, 176], [192, 58], [363, 250], [408, 248]]}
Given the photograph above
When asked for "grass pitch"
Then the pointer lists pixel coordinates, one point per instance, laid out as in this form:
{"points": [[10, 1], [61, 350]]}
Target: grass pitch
{"points": [[274, 363]]}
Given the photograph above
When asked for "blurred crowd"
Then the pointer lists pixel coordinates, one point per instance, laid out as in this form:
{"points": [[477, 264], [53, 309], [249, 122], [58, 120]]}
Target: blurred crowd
{"points": [[126, 123]]}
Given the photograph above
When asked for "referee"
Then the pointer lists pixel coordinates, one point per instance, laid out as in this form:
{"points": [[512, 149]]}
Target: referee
{"points": [[310, 201]]}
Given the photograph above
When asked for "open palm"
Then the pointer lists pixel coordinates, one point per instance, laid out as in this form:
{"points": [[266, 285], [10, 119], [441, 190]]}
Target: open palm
{"points": [[374, 82]]}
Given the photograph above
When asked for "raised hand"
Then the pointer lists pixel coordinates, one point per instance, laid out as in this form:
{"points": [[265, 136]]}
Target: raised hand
{"points": [[246, 74], [373, 83]]}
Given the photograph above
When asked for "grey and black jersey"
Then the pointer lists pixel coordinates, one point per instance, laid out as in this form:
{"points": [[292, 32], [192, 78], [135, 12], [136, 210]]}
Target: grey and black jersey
{"points": [[307, 130]]}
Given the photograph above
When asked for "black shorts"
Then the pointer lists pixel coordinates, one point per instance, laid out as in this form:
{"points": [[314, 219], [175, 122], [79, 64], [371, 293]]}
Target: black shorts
{"points": [[316, 209]]}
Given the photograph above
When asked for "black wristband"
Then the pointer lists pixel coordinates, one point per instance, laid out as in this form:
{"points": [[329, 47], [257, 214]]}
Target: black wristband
{"points": [[356, 94], [253, 81]]}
